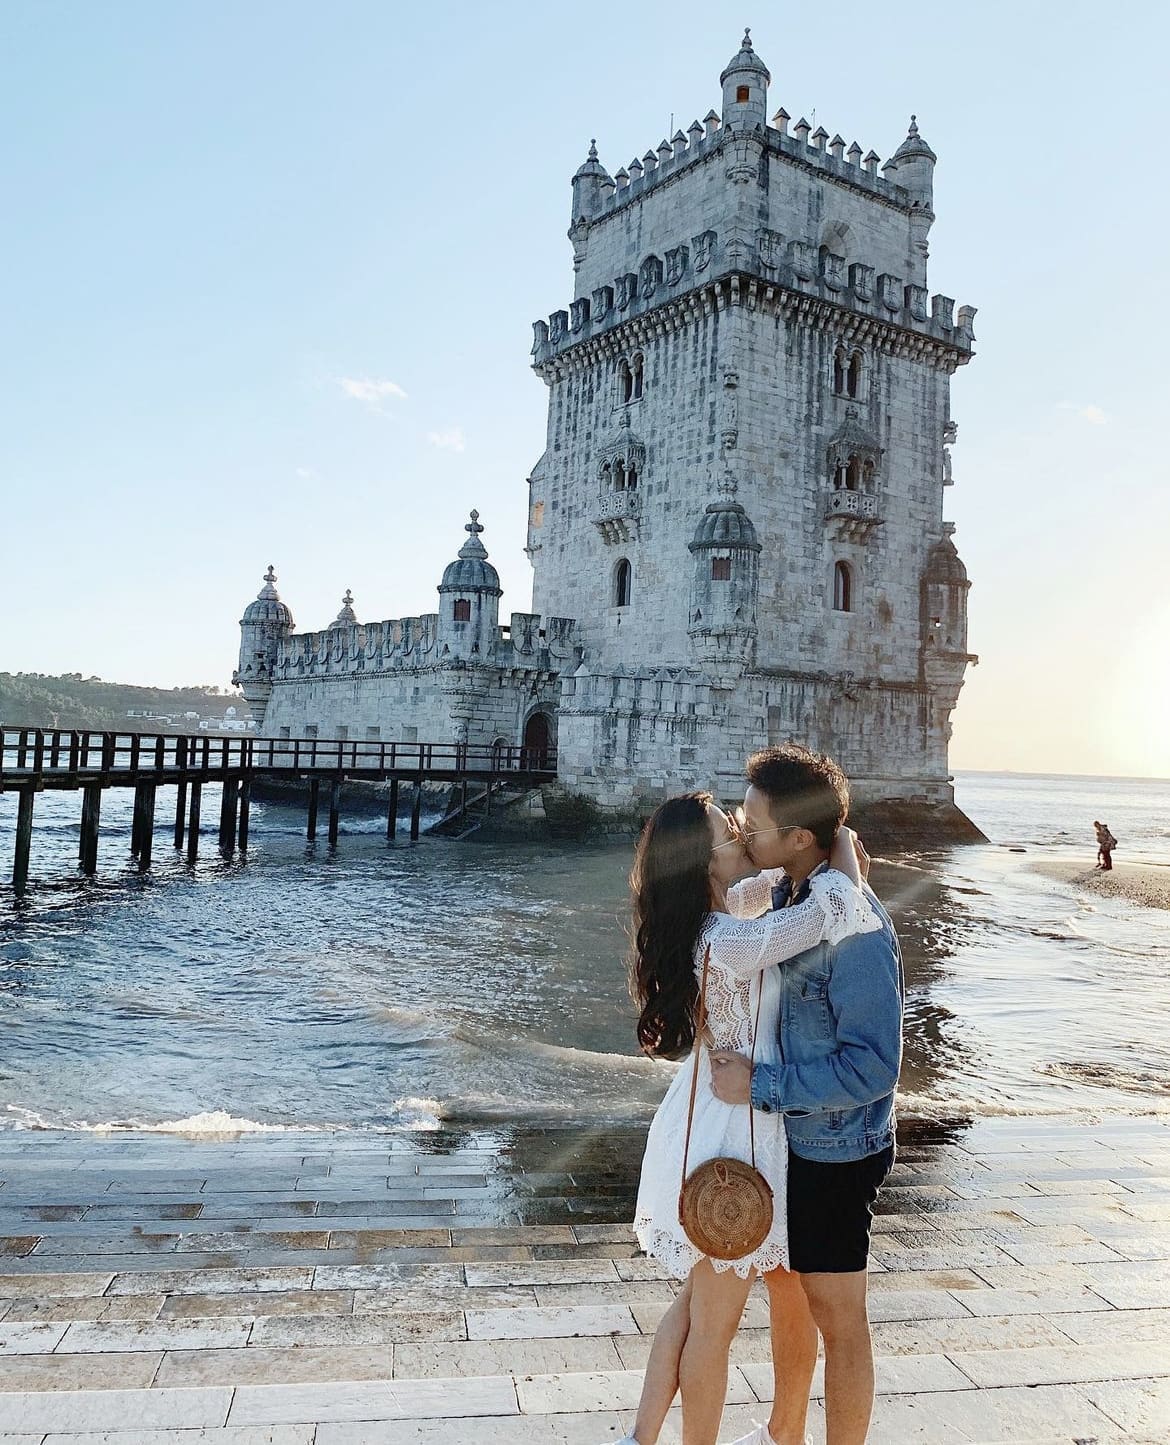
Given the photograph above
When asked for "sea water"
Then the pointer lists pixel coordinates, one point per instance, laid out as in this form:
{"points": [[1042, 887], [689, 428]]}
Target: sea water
{"points": [[398, 985]]}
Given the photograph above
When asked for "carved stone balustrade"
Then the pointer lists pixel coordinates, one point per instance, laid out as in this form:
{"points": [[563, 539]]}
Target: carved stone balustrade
{"points": [[616, 515], [854, 514]]}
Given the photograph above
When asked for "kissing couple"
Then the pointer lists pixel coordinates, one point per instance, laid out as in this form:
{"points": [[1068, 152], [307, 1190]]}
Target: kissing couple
{"points": [[768, 1151]]}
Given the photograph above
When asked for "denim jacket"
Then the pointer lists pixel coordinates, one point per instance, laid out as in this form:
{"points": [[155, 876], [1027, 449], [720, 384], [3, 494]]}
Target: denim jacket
{"points": [[841, 1045]]}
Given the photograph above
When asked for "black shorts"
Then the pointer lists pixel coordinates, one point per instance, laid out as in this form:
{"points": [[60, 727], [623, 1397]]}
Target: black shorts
{"points": [[830, 1210]]}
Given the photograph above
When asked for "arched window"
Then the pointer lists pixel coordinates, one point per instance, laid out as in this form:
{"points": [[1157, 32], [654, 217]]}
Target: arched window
{"points": [[639, 367], [462, 610], [853, 475], [623, 578], [625, 381], [606, 478], [842, 588], [853, 379], [742, 94], [720, 569], [619, 476], [839, 371], [631, 479], [839, 476], [867, 475]]}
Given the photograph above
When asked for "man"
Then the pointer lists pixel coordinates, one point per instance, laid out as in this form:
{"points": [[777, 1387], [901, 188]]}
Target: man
{"points": [[841, 1052], [1106, 843]]}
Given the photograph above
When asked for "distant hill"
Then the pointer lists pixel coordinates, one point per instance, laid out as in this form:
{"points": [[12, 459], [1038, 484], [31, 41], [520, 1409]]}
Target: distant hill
{"points": [[33, 699]]}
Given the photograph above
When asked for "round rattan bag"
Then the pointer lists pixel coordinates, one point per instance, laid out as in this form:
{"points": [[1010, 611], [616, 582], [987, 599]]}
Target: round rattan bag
{"points": [[725, 1206]]}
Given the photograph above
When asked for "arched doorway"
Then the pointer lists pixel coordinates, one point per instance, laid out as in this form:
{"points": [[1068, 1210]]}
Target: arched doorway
{"points": [[537, 740]]}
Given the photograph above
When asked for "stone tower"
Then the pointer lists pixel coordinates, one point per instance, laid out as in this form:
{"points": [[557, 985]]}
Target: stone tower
{"points": [[750, 301]]}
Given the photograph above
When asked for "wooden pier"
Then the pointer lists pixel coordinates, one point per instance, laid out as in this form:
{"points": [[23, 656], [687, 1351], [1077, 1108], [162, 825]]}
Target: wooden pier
{"points": [[36, 760]]}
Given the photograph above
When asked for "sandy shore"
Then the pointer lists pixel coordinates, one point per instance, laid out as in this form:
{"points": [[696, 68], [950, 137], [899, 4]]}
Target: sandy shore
{"points": [[1146, 883]]}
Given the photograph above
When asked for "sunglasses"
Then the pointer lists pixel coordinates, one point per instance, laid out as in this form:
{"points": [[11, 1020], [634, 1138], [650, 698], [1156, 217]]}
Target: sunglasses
{"points": [[740, 823]]}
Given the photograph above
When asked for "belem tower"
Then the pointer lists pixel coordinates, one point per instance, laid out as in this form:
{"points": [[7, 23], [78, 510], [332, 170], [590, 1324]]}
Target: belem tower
{"points": [[736, 528]]}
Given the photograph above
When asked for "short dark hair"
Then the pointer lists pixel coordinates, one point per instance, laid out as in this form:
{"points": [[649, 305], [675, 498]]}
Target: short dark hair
{"points": [[803, 788]]}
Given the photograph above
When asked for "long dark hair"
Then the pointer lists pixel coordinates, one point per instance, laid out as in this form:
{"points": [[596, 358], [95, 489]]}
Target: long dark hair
{"points": [[671, 890]]}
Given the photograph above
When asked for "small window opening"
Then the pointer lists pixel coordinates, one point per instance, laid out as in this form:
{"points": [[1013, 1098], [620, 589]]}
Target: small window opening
{"points": [[839, 473], [853, 474], [462, 610], [631, 479], [622, 583], [842, 588], [720, 569], [839, 372], [743, 94], [619, 476], [868, 475], [625, 382], [638, 372], [853, 380]]}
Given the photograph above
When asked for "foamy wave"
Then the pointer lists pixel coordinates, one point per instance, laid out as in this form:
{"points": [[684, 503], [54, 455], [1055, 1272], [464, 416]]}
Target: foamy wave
{"points": [[209, 1121]]}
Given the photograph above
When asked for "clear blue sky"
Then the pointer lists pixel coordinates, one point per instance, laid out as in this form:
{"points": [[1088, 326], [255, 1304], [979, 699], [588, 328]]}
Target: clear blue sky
{"points": [[269, 268]]}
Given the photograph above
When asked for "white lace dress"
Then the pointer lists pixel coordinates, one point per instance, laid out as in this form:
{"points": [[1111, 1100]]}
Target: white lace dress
{"points": [[743, 952]]}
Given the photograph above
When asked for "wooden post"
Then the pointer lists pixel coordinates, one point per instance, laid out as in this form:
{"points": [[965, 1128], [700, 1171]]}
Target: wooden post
{"points": [[463, 802], [146, 825], [180, 813], [91, 816], [138, 817], [24, 822], [227, 815], [245, 811], [416, 811], [392, 813], [334, 809], [314, 799], [193, 822]]}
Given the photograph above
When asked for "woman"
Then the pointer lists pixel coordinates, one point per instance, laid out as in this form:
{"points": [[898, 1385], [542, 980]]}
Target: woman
{"points": [[688, 856]]}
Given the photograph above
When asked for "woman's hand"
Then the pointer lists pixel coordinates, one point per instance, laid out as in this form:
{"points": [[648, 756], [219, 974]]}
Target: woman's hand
{"points": [[863, 858], [844, 856]]}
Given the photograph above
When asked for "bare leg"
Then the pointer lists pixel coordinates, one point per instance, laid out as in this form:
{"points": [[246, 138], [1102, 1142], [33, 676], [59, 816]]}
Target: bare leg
{"points": [[717, 1302], [661, 1383], [794, 1356], [837, 1302]]}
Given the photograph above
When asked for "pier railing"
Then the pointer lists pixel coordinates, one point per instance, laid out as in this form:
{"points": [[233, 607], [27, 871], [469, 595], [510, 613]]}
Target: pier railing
{"points": [[56, 755], [35, 759]]}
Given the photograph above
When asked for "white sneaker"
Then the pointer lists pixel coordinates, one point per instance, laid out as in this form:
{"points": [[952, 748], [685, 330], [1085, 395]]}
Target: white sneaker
{"points": [[759, 1436]]}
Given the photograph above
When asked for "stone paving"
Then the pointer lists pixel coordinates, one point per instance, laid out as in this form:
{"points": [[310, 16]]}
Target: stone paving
{"points": [[483, 1286]]}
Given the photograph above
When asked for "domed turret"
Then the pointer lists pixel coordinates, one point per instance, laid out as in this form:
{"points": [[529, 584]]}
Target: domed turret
{"points": [[745, 89], [347, 617], [944, 599], [469, 600], [265, 623], [590, 185], [912, 166], [725, 581]]}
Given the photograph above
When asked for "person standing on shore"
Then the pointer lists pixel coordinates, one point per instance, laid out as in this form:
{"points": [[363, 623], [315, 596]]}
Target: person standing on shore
{"points": [[700, 977], [1106, 843], [839, 1055]]}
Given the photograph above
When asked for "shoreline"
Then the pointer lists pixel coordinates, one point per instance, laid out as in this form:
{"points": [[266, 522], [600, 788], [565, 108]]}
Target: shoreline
{"points": [[1147, 884]]}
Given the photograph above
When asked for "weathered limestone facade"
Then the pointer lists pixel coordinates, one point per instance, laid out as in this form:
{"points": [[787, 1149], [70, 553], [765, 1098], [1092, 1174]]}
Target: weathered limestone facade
{"points": [[736, 528], [741, 497]]}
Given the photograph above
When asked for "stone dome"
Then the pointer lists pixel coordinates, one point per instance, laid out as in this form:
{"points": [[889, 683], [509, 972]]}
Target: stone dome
{"points": [[747, 59], [945, 565], [726, 524], [913, 145], [471, 571], [268, 607]]}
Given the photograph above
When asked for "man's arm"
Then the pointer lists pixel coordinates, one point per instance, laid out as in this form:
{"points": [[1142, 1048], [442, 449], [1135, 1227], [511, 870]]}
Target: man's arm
{"points": [[865, 994]]}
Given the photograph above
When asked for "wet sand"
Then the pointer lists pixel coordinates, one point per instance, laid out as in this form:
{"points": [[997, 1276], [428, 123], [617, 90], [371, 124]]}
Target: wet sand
{"points": [[1145, 883]]}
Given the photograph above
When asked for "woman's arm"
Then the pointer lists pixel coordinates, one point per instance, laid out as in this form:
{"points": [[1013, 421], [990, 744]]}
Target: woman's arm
{"points": [[835, 908]]}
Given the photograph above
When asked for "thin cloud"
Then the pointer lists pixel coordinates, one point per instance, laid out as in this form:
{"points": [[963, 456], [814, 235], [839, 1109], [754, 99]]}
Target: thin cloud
{"points": [[451, 440], [372, 392], [1092, 413]]}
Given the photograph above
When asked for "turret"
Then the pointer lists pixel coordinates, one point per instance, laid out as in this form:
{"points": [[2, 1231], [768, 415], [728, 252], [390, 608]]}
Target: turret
{"points": [[725, 584], [469, 601], [944, 601], [347, 617], [745, 89], [912, 168], [591, 185], [264, 624]]}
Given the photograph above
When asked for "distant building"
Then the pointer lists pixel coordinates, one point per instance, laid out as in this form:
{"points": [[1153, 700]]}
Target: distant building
{"points": [[736, 527]]}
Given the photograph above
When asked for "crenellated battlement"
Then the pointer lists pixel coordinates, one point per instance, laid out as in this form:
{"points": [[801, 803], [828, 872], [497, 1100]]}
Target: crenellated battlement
{"points": [[798, 267], [409, 643]]}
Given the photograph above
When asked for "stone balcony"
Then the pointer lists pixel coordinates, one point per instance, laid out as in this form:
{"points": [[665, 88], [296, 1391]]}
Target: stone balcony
{"points": [[854, 514], [616, 515]]}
